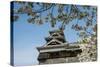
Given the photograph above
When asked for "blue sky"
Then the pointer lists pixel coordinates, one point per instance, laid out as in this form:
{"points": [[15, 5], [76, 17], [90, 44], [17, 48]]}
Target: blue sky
{"points": [[28, 36]]}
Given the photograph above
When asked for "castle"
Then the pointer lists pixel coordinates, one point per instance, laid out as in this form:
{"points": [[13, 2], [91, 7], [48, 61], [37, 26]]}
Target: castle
{"points": [[57, 50]]}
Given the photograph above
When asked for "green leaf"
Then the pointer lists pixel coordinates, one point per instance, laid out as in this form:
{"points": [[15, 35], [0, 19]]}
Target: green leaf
{"points": [[53, 22], [30, 4], [82, 15]]}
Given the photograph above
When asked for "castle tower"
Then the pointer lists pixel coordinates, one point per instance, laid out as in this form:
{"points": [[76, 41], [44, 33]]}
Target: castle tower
{"points": [[57, 50]]}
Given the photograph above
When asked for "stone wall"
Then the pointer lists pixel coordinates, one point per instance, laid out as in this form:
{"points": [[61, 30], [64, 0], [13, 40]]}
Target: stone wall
{"points": [[61, 60]]}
